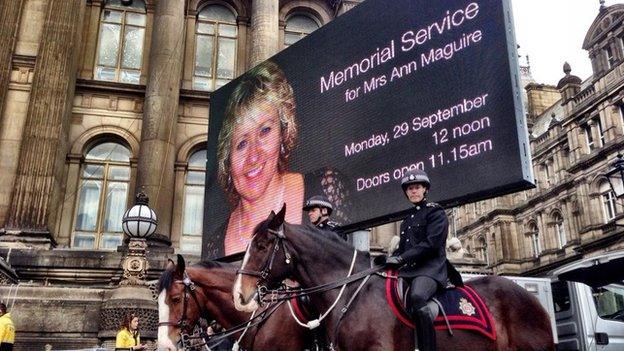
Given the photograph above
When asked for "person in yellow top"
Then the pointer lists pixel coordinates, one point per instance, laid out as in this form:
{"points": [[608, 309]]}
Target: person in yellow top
{"points": [[7, 329], [128, 337]]}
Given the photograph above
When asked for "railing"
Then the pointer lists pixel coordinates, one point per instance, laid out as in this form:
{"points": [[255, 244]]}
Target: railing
{"points": [[584, 94]]}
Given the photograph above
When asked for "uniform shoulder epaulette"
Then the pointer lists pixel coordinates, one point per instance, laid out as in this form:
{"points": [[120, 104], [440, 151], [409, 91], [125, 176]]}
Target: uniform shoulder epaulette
{"points": [[332, 224], [433, 205]]}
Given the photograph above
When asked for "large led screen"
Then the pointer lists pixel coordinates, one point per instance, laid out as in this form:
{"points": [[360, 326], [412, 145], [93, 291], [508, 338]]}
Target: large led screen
{"points": [[390, 86]]}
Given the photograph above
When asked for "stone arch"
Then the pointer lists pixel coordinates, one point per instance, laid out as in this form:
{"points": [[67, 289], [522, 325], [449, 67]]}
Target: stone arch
{"points": [[596, 182], [530, 224], [237, 6], [554, 212], [317, 10], [190, 146], [604, 22], [93, 135], [149, 4]]}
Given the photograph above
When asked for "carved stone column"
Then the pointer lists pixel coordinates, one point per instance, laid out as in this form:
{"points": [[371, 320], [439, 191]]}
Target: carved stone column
{"points": [[264, 30], [9, 13], [38, 184], [158, 132]]}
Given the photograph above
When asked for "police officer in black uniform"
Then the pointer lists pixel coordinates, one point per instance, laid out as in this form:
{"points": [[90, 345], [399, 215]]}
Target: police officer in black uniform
{"points": [[319, 210], [421, 255]]}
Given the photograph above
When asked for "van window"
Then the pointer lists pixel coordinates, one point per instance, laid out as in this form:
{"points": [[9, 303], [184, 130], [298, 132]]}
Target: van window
{"points": [[561, 296], [609, 301]]}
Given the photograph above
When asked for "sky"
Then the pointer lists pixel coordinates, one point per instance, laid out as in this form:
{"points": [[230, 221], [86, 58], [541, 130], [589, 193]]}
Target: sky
{"points": [[551, 32]]}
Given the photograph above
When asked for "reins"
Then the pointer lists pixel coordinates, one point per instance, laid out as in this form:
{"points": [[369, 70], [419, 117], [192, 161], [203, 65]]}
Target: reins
{"points": [[283, 294]]}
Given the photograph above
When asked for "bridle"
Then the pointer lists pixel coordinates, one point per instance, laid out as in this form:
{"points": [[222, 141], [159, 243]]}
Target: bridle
{"points": [[284, 294], [208, 341], [268, 265], [183, 322]]}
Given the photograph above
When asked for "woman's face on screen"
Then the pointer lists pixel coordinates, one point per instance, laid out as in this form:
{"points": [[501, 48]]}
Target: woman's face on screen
{"points": [[255, 150]]}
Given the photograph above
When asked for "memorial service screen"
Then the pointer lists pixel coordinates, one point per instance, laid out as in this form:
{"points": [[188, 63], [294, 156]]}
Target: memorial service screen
{"points": [[390, 86]]}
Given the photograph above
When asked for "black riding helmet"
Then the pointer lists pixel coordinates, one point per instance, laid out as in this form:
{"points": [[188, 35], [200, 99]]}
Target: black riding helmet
{"points": [[318, 201]]}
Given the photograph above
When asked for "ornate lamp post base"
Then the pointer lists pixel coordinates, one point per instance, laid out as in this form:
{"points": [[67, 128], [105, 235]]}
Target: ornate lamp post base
{"points": [[135, 264]]}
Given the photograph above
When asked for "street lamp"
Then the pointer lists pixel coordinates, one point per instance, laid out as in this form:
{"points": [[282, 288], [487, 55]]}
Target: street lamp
{"points": [[133, 292], [139, 222], [616, 176]]}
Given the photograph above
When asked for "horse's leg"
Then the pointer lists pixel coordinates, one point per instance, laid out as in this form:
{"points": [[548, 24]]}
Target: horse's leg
{"points": [[280, 332], [521, 322]]}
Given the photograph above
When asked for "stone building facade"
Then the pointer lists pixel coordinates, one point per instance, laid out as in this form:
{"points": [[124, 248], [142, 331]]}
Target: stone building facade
{"points": [[577, 129], [100, 99]]}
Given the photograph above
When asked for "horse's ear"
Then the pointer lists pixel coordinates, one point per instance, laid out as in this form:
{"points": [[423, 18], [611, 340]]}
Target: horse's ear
{"points": [[170, 264], [279, 217], [181, 266]]}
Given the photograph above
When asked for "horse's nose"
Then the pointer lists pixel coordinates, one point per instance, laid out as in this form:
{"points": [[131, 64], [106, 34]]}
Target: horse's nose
{"points": [[239, 298], [251, 298]]}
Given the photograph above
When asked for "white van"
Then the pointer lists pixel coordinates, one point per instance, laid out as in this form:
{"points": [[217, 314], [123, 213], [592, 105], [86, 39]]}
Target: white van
{"points": [[588, 297]]}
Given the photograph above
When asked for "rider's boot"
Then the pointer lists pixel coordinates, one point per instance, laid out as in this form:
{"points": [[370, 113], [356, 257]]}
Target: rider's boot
{"points": [[424, 335]]}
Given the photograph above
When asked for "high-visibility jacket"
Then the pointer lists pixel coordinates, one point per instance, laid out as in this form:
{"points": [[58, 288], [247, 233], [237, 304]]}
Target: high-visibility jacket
{"points": [[7, 332], [127, 339]]}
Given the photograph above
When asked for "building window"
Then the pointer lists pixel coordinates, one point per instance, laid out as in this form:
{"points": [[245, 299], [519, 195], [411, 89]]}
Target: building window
{"points": [[297, 27], [609, 202], [546, 174], [621, 108], [536, 248], [560, 229], [102, 197], [120, 48], [589, 137], [482, 250], [611, 60], [215, 47], [567, 156], [193, 216], [601, 133]]}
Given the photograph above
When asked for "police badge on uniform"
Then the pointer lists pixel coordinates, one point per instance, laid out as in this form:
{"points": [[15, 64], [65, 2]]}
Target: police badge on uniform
{"points": [[466, 307]]}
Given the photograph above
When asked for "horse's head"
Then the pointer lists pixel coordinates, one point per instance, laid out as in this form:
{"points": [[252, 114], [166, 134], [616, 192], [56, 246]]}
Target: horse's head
{"points": [[178, 310], [266, 263]]}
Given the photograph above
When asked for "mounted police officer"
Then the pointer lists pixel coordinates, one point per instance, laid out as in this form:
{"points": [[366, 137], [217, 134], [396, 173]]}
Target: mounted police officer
{"points": [[421, 255], [319, 210]]}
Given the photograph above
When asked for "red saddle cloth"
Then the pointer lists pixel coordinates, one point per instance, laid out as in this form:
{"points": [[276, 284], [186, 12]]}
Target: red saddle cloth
{"points": [[464, 308]]}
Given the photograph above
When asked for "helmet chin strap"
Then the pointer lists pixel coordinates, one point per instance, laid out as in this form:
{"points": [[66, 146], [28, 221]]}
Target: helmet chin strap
{"points": [[320, 220]]}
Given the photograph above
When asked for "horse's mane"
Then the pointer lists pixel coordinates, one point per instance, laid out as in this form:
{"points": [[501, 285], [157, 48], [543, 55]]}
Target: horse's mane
{"points": [[262, 226], [326, 237], [330, 241], [211, 264], [168, 276], [166, 279]]}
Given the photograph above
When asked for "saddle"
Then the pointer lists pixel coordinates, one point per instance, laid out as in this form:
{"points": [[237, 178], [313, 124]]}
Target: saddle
{"points": [[451, 308]]}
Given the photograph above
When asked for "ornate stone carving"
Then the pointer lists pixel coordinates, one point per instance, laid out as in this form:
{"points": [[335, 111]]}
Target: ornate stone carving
{"points": [[135, 264]]}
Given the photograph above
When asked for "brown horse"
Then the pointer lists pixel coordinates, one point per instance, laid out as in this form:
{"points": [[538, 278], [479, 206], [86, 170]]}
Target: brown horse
{"points": [[213, 283], [313, 259]]}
